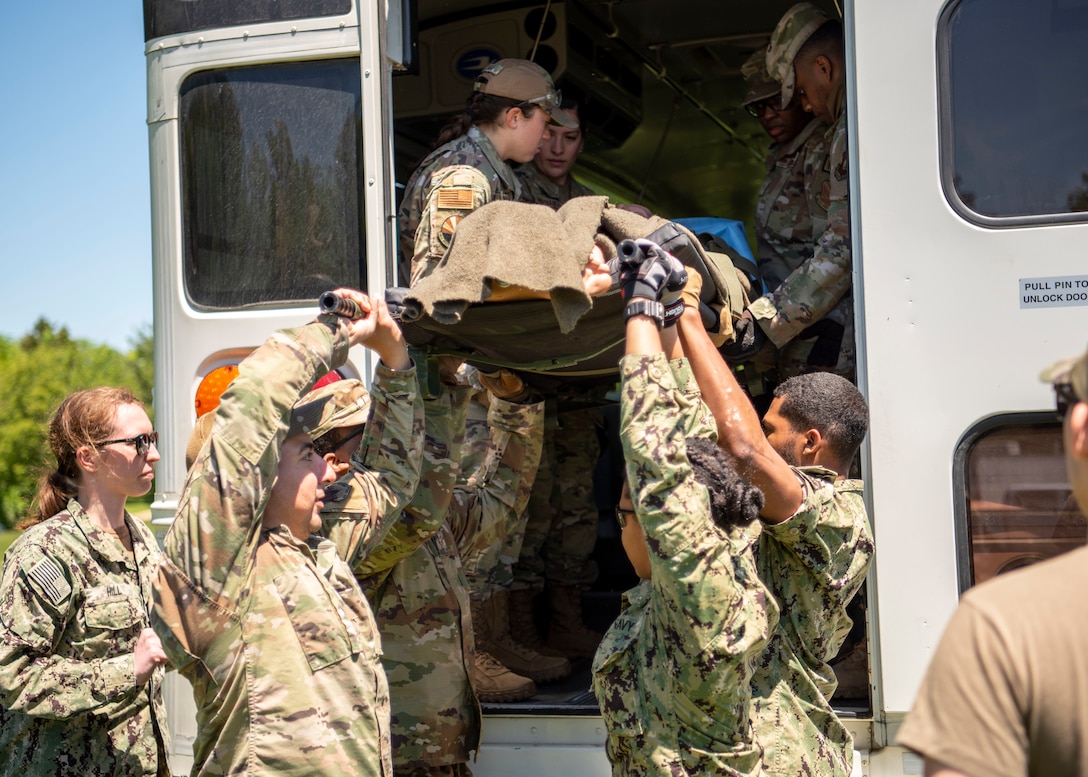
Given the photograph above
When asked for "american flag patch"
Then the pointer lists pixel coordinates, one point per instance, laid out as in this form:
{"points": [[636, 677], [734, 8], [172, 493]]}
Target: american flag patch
{"points": [[50, 580], [455, 198]]}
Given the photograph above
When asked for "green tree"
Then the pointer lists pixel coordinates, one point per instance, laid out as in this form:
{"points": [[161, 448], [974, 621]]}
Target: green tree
{"points": [[37, 372]]}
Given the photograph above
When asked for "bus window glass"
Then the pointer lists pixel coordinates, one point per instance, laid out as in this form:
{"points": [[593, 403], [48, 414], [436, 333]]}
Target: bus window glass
{"points": [[271, 172], [1020, 506], [173, 17], [1013, 111]]}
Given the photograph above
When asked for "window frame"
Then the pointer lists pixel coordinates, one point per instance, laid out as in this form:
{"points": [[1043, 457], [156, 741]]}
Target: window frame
{"points": [[946, 144]]}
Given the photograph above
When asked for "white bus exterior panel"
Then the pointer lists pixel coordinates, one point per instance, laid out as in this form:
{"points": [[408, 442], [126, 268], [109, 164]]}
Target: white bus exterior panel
{"points": [[932, 279]]}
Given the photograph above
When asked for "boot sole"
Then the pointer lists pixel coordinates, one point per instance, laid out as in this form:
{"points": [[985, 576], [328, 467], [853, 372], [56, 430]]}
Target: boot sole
{"points": [[496, 697]]}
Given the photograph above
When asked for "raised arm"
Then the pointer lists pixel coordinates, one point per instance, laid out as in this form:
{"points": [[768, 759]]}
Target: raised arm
{"points": [[740, 432]]}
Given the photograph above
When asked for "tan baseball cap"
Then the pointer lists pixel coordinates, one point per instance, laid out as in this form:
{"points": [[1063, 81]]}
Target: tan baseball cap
{"points": [[1073, 371], [527, 82], [760, 84], [333, 406], [790, 34]]}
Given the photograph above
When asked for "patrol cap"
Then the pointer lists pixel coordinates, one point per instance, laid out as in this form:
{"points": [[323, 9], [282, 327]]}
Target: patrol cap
{"points": [[760, 84], [338, 404], [526, 82], [790, 34], [1073, 371]]}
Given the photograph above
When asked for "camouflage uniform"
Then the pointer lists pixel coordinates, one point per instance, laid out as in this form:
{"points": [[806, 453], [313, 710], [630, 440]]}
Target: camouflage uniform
{"points": [[672, 674], [273, 632], [487, 510], [791, 213], [818, 288], [813, 564], [538, 188], [415, 582], [561, 517], [451, 182], [561, 527], [73, 602]]}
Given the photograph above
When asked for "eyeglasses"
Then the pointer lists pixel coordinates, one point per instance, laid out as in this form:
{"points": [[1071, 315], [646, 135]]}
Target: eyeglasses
{"points": [[351, 436], [621, 515], [143, 442], [1064, 398], [756, 109]]}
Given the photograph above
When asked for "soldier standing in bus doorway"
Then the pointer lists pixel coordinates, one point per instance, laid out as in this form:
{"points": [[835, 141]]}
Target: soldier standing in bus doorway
{"points": [[814, 549], [560, 524], [509, 114], [260, 613], [1006, 692], [789, 216], [812, 307], [412, 575]]}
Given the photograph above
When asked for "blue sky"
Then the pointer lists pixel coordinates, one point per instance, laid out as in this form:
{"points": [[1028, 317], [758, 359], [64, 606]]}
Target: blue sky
{"points": [[75, 224]]}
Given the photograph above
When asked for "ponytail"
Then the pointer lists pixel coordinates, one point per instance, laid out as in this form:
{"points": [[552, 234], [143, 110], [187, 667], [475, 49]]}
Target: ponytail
{"points": [[84, 418]]}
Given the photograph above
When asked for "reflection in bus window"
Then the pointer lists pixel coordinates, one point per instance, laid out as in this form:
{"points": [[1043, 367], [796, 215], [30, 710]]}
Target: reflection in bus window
{"points": [[171, 17], [1013, 112], [1020, 506], [271, 175]]}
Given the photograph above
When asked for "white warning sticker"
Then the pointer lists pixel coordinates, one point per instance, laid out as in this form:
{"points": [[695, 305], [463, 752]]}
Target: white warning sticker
{"points": [[1055, 292]]}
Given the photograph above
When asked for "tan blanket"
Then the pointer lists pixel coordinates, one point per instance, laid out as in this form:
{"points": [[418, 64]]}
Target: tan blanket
{"points": [[514, 244]]}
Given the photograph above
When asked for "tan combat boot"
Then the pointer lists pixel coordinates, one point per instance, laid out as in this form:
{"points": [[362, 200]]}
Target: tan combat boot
{"points": [[523, 622], [512, 654], [567, 634], [492, 681], [495, 683]]}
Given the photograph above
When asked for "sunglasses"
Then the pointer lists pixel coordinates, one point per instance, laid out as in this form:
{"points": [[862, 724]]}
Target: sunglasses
{"points": [[756, 109], [143, 442], [621, 515], [1064, 398], [351, 436]]}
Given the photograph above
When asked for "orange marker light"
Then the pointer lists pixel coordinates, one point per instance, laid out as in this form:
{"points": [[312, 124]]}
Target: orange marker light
{"points": [[212, 387]]}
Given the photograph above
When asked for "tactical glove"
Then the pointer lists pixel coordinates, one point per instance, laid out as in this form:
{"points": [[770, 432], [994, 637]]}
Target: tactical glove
{"points": [[749, 340], [648, 271]]}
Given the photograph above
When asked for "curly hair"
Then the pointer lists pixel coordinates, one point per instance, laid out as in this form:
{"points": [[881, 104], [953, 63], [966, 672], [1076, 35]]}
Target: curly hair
{"points": [[733, 501], [830, 403]]}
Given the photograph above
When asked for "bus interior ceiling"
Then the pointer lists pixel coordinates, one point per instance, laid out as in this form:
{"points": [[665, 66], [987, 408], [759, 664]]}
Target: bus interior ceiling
{"points": [[659, 85], [660, 89]]}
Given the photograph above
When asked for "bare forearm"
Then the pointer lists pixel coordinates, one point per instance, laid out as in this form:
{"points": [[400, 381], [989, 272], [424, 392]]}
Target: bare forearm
{"points": [[740, 432]]}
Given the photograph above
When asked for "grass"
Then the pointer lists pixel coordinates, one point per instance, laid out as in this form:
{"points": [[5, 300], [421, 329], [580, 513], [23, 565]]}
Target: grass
{"points": [[6, 538], [140, 508]]}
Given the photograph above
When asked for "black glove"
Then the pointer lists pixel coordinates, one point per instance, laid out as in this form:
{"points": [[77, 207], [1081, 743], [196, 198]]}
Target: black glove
{"points": [[648, 271], [750, 340]]}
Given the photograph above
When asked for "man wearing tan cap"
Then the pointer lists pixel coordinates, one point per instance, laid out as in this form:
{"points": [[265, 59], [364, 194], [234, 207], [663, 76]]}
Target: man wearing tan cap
{"points": [[1006, 694], [259, 612], [811, 309]]}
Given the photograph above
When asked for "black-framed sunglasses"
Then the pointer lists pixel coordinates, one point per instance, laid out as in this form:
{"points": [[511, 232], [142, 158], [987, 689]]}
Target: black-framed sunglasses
{"points": [[757, 108], [351, 436], [143, 442], [1064, 398], [621, 515]]}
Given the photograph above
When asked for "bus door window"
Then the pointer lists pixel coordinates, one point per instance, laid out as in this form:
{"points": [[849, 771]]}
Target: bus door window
{"points": [[271, 177]]}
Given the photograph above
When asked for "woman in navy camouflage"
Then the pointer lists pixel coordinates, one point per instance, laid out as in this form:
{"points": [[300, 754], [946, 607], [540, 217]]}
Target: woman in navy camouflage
{"points": [[80, 683]]}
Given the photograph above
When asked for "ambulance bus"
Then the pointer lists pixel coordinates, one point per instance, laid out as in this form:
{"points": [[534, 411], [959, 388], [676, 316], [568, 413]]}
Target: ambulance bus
{"points": [[280, 132]]}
